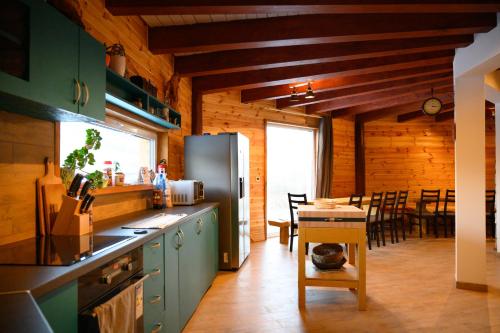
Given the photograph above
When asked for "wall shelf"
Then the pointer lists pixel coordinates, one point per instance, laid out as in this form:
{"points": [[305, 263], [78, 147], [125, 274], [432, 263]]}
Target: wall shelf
{"points": [[124, 94], [122, 189]]}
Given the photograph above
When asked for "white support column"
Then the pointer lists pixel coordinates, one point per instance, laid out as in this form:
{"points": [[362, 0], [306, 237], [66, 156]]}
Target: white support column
{"points": [[470, 182], [497, 172]]}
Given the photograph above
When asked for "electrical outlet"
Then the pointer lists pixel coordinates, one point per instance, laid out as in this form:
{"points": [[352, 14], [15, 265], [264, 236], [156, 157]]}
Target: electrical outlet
{"points": [[226, 258]]}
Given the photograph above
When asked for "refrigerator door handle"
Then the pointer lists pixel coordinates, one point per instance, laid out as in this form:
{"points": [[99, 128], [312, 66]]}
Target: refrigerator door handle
{"points": [[242, 187]]}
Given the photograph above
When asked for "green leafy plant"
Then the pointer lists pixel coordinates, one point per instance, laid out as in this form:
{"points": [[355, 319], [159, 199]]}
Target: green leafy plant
{"points": [[79, 158]]}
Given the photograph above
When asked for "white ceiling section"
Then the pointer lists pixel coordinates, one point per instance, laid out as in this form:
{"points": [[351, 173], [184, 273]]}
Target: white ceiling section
{"points": [[168, 20]]}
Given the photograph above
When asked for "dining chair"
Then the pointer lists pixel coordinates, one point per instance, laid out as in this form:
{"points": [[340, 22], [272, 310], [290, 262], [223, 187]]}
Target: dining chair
{"points": [[399, 213], [356, 200], [294, 200], [490, 211], [373, 218], [387, 215], [427, 208], [448, 212]]}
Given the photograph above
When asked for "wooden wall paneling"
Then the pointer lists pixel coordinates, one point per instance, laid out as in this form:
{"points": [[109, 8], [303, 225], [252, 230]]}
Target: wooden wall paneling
{"points": [[343, 178], [24, 143], [223, 112]]}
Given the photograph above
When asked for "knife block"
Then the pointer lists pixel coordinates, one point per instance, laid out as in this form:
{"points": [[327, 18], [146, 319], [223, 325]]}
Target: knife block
{"points": [[69, 221]]}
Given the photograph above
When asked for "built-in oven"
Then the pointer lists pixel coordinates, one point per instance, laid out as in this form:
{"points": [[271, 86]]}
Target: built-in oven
{"points": [[102, 286]]}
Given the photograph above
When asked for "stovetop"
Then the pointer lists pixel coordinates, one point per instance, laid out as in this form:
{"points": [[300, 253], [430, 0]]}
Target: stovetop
{"points": [[57, 250]]}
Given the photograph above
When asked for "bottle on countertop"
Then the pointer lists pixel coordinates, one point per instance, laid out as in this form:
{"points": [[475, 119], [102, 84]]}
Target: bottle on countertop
{"points": [[108, 172]]}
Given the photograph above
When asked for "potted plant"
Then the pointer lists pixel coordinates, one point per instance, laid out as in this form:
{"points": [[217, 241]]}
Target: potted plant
{"points": [[79, 158], [118, 62]]}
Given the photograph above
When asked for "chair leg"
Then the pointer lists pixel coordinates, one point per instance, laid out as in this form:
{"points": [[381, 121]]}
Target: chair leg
{"points": [[403, 227], [427, 230], [391, 229], [394, 224], [368, 237], [376, 226], [436, 226], [292, 231], [420, 226], [445, 222]]}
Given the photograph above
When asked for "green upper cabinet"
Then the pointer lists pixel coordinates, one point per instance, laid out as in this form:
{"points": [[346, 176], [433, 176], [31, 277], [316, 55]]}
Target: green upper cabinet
{"points": [[92, 76], [46, 61]]}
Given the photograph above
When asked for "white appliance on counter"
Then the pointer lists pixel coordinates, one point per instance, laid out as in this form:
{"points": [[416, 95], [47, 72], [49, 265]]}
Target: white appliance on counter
{"points": [[187, 192]]}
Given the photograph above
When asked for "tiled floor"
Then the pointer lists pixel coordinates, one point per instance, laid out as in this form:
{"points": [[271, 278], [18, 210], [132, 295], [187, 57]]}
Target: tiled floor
{"points": [[410, 289]]}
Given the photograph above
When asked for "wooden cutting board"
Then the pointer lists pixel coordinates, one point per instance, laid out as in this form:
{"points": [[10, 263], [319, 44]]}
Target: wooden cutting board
{"points": [[52, 200], [47, 179]]}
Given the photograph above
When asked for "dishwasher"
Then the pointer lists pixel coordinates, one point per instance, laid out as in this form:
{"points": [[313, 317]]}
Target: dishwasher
{"points": [[106, 283]]}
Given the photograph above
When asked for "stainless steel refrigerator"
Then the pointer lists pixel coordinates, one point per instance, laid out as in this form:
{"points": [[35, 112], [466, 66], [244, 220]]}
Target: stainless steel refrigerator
{"points": [[222, 163]]}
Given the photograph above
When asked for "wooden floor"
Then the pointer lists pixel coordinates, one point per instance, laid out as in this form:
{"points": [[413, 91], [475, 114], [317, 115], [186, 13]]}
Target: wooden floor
{"points": [[410, 289]]}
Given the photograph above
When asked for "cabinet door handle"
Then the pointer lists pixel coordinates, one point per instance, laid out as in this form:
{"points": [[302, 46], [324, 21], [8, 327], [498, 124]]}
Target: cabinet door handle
{"points": [[215, 216], [78, 92], [157, 328], [87, 93], [155, 271], [156, 245], [155, 300], [178, 242], [182, 236], [200, 226]]}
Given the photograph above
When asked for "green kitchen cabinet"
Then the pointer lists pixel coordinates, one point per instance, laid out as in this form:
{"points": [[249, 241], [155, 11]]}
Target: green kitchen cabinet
{"points": [[154, 285], [53, 69], [60, 308], [172, 244], [213, 244]]}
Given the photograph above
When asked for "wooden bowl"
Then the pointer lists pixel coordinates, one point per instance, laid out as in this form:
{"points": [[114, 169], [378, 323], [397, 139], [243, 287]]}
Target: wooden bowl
{"points": [[324, 203], [328, 256]]}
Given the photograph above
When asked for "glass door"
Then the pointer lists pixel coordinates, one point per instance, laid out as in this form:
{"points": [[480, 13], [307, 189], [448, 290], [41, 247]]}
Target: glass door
{"points": [[291, 168]]}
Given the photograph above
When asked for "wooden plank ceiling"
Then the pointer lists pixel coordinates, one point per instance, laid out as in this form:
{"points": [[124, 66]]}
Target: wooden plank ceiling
{"points": [[364, 58]]}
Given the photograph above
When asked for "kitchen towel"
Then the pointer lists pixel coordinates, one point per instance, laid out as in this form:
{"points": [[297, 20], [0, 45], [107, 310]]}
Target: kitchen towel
{"points": [[118, 314]]}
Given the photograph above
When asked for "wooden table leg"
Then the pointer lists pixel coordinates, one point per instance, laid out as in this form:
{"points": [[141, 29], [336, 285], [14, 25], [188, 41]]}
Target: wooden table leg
{"points": [[362, 272], [284, 235], [302, 268], [351, 254]]}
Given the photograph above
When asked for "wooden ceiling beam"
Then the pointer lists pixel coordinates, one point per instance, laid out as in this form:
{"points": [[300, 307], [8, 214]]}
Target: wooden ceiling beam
{"points": [[271, 57], [397, 110], [388, 86], [445, 93], [297, 74], [282, 91], [312, 29], [397, 92], [202, 7], [409, 116]]}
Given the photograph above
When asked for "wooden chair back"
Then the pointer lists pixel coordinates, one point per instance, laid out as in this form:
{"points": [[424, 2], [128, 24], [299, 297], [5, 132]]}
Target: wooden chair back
{"points": [[375, 203], [356, 200], [449, 200], [430, 200], [401, 204], [294, 200], [389, 204]]}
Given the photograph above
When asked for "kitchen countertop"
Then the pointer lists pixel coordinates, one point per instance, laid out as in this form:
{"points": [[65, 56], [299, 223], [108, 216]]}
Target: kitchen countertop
{"points": [[24, 281]]}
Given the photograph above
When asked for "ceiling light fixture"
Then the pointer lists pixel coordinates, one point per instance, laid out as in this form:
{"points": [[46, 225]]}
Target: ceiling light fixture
{"points": [[294, 97], [309, 92]]}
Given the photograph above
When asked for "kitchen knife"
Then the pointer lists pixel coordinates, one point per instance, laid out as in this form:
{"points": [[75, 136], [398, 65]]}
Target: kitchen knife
{"points": [[89, 204], [85, 188], [84, 203], [75, 185]]}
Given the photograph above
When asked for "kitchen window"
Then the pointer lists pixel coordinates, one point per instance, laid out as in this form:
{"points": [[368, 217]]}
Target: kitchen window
{"points": [[128, 145]]}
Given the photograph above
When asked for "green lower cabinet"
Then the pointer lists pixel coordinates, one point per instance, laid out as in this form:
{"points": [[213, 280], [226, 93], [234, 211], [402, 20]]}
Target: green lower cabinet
{"points": [[154, 286], [60, 308], [172, 281]]}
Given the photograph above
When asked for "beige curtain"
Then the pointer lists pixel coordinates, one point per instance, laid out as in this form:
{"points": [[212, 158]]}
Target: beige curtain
{"points": [[325, 158]]}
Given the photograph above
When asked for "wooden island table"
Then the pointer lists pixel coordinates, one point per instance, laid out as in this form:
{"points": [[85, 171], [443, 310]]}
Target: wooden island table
{"points": [[344, 224]]}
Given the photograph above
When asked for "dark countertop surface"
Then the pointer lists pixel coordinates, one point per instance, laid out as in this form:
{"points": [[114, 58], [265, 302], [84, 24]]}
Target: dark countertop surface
{"points": [[31, 320], [24, 281]]}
